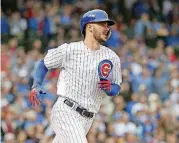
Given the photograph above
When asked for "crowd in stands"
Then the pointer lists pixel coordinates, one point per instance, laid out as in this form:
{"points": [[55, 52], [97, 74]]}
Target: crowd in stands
{"points": [[146, 38]]}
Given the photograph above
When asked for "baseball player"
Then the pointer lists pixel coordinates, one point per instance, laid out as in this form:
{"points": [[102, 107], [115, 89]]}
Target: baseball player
{"points": [[89, 72]]}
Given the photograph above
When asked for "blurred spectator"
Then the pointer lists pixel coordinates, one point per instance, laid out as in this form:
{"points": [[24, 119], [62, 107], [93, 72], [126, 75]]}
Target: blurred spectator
{"points": [[159, 82], [9, 138], [4, 27], [36, 22], [142, 25], [167, 7], [65, 17], [17, 25], [51, 21], [139, 7], [173, 38], [170, 54], [28, 9]]}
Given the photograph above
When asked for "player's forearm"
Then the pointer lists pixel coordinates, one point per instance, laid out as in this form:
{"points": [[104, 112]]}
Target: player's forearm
{"points": [[115, 89], [40, 73]]}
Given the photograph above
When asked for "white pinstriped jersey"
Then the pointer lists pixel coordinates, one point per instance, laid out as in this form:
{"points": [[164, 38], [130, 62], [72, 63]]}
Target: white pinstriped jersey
{"points": [[79, 72]]}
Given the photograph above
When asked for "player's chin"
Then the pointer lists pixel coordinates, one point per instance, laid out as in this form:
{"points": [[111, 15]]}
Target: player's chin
{"points": [[105, 38], [102, 40]]}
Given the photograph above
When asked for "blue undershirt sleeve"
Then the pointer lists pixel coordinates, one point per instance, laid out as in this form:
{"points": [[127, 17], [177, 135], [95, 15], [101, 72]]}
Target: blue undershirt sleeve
{"points": [[40, 73], [115, 89]]}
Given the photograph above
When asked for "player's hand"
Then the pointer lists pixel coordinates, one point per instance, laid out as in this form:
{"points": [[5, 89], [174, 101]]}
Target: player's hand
{"points": [[104, 84], [36, 95]]}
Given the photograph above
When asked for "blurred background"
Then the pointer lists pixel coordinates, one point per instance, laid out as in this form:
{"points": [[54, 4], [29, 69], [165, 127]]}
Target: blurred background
{"points": [[146, 37]]}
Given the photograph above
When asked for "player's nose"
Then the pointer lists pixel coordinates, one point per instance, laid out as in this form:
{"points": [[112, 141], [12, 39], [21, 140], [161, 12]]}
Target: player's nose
{"points": [[106, 26]]}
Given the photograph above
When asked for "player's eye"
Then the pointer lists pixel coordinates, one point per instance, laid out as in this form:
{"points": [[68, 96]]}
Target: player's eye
{"points": [[104, 24]]}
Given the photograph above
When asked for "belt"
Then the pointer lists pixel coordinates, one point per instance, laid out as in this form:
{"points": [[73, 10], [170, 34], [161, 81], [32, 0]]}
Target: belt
{"points": [[79, 109]]}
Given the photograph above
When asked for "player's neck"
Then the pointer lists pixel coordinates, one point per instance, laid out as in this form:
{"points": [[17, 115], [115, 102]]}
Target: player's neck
{"points": [[92, 44]]}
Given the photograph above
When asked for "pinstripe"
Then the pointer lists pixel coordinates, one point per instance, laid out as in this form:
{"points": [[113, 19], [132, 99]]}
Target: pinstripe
{"points": [[95, 92], [75, 130], [93, 78], [70, 133], [82, 128], [64, 134], [55, 57], [118, 70], [78, 70], [78, 136], [61, 131], [65, 138], [84, 74], [76, 65], [67, 79], [58, 126], [68, 136]]}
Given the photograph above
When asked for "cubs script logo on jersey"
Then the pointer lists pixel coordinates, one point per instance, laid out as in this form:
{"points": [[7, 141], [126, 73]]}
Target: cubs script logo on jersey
{"points": [[104, 68]]}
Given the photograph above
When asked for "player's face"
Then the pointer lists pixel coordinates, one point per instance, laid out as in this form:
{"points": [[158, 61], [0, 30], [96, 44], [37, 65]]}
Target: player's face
{"points": [[101, 31]]}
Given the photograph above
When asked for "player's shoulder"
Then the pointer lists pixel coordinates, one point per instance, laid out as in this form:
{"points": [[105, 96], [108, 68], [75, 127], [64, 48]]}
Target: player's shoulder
{"points": [[109, 51], [62, 46], [70, 45], [74, 44]]}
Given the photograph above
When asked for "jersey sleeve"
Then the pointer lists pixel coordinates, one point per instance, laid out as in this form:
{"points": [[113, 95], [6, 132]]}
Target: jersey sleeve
{"points": [[55, 57], [116, 74]]}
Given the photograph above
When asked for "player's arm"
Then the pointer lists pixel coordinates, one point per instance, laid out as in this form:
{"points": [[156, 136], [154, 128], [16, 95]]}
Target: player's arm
{"points": [[53, 59], [39, 74], [37, 92], [112, 88]]}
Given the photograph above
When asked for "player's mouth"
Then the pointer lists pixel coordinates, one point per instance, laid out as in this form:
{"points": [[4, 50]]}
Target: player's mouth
{"points": [[105, 33]]}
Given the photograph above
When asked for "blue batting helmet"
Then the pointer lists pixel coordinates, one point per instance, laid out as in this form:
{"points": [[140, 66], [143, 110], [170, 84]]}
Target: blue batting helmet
{"points": [[95, 15]]}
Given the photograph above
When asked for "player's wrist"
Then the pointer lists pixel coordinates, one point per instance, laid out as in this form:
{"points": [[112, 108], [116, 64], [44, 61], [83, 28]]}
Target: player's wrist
{"points": [[35, 86], [114, 90]]}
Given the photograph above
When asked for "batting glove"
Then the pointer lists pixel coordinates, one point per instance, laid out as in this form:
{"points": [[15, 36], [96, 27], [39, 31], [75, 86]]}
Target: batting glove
{"points": [[36, 95], [104, 84]]}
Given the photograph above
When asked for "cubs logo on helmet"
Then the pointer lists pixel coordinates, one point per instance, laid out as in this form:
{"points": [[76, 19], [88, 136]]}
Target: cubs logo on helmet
{"points": [[104, 68]]}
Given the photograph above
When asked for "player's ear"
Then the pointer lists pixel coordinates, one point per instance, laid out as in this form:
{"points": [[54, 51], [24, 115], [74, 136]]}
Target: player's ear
{"points": [[90, 27]]}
